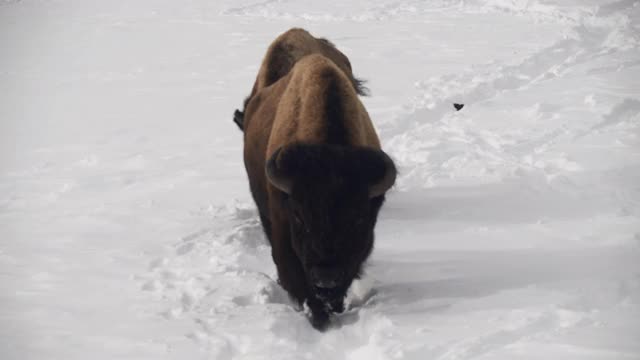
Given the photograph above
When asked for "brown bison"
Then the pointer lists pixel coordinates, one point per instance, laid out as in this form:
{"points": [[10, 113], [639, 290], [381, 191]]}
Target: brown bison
{"points": [[315, 168]]}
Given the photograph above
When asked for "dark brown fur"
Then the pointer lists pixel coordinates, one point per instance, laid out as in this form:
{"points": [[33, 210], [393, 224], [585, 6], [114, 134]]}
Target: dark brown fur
{"points": [[305, 101], [285, 52]]}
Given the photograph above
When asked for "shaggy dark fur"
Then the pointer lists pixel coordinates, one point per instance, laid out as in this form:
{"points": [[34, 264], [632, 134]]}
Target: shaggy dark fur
{"points": [[282, 56], [315, 169], [333, 219]]}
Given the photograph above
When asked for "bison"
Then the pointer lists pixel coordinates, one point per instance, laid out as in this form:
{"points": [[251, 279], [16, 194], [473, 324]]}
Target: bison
{"points": [[315, 168]]}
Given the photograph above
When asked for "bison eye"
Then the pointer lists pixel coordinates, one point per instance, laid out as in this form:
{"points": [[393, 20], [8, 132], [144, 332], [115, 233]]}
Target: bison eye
{"points": [[299, 222], [297, 219]]}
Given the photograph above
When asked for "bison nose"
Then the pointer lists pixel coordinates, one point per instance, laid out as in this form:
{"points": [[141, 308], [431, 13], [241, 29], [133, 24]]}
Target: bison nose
{"points": [[326, 277], [326, 284]]}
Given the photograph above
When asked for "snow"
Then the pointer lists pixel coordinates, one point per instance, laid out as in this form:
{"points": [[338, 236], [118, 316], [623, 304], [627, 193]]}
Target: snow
{"points": [[127, 230]]}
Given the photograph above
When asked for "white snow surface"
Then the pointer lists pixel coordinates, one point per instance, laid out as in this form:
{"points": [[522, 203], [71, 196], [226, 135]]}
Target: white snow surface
{"points": [[127, 230]]}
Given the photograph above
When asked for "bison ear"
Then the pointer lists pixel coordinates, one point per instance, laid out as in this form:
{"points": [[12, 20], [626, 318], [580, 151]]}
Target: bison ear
{"points": [[276, 175], [387, 180]]}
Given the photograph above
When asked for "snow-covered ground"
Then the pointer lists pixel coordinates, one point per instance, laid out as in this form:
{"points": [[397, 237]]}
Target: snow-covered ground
{"points": [[127, 230]]}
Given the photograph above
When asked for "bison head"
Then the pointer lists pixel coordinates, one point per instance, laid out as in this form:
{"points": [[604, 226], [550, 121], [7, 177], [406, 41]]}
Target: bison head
{"points": [[332, 195]]}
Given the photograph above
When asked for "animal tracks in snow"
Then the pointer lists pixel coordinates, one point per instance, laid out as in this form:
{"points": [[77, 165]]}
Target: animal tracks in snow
{"points": [[437, 146], [223, 277], [199, 268]]}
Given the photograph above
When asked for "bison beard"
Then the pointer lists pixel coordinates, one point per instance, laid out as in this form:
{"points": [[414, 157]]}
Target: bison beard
{"points": [[315, 168], [331, 195]]}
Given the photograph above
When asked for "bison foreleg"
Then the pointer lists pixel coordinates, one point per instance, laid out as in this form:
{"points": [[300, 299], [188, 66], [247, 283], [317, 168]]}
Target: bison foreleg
{"points": [[290, 271], [292, 278]]}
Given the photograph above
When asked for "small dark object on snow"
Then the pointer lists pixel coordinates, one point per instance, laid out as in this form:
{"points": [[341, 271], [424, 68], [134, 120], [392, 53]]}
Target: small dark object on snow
{"points": [[458, 106]]}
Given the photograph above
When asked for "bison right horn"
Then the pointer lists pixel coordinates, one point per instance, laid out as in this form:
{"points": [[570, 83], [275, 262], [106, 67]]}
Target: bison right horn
{"points": [[275, 175], [387, 180]]}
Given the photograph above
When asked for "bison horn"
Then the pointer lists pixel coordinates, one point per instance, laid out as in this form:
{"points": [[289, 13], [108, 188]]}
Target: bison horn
{"points": [[275, 175], [387, 180]]}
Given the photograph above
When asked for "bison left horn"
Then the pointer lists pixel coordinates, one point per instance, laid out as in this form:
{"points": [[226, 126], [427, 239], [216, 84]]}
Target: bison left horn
{"points": [[387, 180], [276, 176]]}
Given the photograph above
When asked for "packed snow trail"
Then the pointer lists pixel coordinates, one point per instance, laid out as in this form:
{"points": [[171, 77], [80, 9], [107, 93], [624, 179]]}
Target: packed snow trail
{"points": [[127, 229]]}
